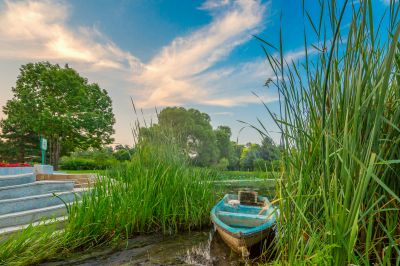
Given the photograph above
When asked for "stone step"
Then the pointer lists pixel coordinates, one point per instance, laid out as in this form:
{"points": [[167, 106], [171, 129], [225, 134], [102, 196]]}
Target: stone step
{"points": [[36, 188], [12, 180], [39, 201], [30, 216]]}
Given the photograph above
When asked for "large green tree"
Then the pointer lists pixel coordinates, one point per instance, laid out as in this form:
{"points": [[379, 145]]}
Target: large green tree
{"points": [[190, 129], [269, 151], [223, 137], [57, 103]]}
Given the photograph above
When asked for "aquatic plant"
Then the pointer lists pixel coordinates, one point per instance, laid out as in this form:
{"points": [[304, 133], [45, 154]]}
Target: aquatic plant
{"points": [[155, 192], [140, 198], [340, 117]]}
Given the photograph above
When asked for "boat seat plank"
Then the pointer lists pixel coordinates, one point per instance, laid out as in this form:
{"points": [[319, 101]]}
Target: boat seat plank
{"points": [[243, 215]]}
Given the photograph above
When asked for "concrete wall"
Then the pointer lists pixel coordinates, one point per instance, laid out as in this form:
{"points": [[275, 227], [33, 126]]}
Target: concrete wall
{"points": [[16, 170], [36, 169]]}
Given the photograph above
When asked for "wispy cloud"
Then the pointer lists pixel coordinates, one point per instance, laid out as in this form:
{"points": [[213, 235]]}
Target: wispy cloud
{"points": [[222, 113], [38, 30], [174, 75], [182, 73]]}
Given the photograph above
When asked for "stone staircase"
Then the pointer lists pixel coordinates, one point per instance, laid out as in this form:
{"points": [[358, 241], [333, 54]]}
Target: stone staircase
{"points": [[23, 200]]}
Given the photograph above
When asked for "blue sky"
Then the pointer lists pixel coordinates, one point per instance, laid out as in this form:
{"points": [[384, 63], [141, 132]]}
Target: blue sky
{"points": [[198, 54]]}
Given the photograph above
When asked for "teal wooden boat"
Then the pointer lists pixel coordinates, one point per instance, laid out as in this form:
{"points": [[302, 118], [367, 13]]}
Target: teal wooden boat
{"points": [[243, 224]]}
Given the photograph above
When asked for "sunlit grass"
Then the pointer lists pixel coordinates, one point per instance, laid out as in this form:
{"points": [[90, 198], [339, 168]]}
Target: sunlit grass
{"points": [[340, 117], [150, 194]]}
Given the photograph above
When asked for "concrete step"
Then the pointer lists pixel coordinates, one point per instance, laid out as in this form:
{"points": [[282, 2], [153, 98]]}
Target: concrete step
{"points": [[16, 170], [30, 216], [12, 180], [81, 180], [38, 201], [36, 188]]}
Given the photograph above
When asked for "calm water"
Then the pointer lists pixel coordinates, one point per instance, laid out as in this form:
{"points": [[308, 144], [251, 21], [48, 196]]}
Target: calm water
{"points": [[195, 248]]}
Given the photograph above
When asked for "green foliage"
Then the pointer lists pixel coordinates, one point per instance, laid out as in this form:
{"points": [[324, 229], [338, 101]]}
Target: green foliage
{"points": [[250, 153], [97, 159], [153, 192], [238, 175], [59, 104], [339, 198], [222, 164], [190, 129], [68, 163], [223, 137], [123, 153], [18, 146], [268, 150], [260, 165]]}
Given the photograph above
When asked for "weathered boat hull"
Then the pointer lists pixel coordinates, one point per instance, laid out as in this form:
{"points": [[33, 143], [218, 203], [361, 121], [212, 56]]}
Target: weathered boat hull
{"points": [[238, 243], [242, 227]]}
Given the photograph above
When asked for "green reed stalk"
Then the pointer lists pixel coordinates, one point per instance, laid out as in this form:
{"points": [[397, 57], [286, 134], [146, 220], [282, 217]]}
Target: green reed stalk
{"points": [[155, 192], [339, 197]]}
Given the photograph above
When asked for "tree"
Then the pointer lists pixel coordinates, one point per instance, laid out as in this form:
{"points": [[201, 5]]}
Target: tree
{"points": [[123, 152], [223, 138], [19, 145], [234, 159], [249, 154], [60, 105], [269, 151], [189, 129]]}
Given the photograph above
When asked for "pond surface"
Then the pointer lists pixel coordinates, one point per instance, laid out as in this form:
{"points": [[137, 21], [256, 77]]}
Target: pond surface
{"points": [[195, 248]]}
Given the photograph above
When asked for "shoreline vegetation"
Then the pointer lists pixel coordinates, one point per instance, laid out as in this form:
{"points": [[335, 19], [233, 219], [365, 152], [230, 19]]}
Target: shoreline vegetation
{"points": [[338, 182], [151, 194], [340, 117]]}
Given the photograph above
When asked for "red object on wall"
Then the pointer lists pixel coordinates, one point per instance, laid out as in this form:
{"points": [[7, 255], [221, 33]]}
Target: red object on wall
{"points": [[15, 165]]}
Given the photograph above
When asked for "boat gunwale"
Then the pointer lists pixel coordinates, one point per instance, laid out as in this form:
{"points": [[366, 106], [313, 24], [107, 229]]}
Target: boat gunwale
{"points": [[239, 233]]}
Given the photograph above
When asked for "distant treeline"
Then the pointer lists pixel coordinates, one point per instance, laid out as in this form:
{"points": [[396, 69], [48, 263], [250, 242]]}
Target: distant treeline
{"points": [[188, 134], [191, 131], [76, 135]]}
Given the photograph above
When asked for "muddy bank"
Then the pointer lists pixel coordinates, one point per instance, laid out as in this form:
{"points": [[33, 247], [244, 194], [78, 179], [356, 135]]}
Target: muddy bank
{"points": [[196, 248]]}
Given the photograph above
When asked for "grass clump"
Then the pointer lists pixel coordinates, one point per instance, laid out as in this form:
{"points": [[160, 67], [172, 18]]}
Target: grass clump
{"points": [[340, 117], [135, 198], [149, 194]]}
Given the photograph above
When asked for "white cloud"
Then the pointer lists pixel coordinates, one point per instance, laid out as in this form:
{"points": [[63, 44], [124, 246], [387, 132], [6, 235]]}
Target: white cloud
{"points": [[174, 75], [214, 4], [223, 113], [181, 73], [37, 30]]}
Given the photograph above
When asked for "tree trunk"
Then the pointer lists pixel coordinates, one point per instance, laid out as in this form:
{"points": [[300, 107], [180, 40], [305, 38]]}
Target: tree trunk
{"points": [[21, 157], [50, 151], [57, 153]]}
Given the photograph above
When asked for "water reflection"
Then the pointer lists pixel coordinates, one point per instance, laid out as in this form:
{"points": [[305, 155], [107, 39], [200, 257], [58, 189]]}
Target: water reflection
{"points": [[197, 248], [212, 252]]}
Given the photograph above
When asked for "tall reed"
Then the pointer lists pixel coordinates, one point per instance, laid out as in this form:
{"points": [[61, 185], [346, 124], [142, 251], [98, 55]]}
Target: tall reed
{"points": [[140, 198], [340, 119], [157, 191]]}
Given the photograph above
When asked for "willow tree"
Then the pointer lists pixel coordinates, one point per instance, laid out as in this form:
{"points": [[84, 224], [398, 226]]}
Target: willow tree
{"points": [[60, 105]]}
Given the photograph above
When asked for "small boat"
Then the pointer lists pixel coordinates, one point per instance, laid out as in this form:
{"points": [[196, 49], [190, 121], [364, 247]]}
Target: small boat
{"points": [[243, 223]]}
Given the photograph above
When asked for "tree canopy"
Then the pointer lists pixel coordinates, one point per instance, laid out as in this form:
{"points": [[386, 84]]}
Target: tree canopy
{"points": [[191, 130], [57, 103]]}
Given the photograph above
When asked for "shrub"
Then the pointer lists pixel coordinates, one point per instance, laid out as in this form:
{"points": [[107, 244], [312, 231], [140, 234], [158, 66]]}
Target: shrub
{"points": [[222, 164], [71, 163]]}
